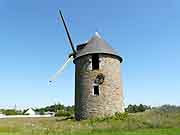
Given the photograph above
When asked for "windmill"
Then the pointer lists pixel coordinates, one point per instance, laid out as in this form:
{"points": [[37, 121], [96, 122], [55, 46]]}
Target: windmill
{"points": [[98, 83]]}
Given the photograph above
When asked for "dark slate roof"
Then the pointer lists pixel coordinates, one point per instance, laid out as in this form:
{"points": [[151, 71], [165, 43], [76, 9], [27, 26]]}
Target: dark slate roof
{"points": [[96, 45]]}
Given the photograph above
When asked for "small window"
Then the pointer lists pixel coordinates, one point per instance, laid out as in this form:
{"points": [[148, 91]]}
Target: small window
{"points": [[95, 61], [96, 90]]}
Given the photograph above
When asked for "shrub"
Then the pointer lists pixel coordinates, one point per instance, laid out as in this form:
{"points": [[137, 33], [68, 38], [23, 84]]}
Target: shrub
{"points": [[10, 112], [61, 113], [120, 116], [137, 108], [116, 116], [41, 113]]}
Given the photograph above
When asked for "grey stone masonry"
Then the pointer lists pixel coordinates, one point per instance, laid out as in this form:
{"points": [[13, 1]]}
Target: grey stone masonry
{"points": [[110, 98]]}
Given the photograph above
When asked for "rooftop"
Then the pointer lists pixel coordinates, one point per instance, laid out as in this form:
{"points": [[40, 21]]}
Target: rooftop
{"points": [[96, 45]]}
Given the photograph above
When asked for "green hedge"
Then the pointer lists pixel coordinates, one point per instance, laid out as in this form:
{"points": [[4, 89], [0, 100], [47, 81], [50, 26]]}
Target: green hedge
{"points": [[61, 113]]}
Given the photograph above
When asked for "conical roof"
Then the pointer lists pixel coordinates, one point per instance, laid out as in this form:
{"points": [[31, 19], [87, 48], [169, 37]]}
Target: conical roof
{"points": [[96, 45]]}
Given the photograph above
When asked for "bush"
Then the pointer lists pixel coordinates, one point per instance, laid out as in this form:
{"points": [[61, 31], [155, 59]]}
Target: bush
{"points": [[116, 116], [10, 112], [61, 113], [120, 116], [41, 113], [137, 108]]}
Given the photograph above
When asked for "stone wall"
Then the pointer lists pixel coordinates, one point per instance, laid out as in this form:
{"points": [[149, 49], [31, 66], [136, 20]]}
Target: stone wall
{"points": [[110, 98]]}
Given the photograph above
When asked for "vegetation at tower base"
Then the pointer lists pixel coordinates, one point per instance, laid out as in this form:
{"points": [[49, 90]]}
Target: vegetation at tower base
{"points": [[116, 116]]}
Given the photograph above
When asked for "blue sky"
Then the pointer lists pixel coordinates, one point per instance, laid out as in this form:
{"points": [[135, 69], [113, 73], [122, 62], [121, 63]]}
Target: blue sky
{"points": [[33, 45]]}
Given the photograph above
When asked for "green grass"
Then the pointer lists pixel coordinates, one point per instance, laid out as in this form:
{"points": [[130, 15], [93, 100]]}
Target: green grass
{"points": [[171, 131], [148, 123]]}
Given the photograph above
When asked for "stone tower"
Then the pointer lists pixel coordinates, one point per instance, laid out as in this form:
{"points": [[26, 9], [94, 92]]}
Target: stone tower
{"points": [[98, 84]]}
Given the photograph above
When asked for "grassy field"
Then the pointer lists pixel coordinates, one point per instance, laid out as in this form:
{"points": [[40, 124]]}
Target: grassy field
{"points": [[148, 123]]}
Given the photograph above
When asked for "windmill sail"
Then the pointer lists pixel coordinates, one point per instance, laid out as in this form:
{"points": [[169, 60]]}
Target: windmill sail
{"points": [[53, 78], [67, 32]]}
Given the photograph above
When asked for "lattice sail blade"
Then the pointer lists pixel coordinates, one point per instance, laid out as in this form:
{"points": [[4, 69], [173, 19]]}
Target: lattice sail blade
{"points": [[60, 70]]}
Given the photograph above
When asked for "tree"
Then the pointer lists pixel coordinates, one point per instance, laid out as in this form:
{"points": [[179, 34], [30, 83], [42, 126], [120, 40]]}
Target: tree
{"points": [[141, 108], [137, 108]]}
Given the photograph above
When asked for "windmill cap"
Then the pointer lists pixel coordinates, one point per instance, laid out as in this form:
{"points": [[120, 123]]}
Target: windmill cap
{"points": [[96, 45]]}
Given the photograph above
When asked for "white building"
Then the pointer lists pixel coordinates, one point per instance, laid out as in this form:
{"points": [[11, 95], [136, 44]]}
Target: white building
{"points": [[30, 111]]}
